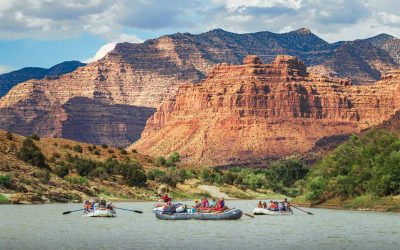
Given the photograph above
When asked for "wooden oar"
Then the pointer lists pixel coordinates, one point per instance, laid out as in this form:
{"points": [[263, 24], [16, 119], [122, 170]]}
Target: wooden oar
{"points": [[251, 216], [136, 211], [68, 212], [302, 210]]}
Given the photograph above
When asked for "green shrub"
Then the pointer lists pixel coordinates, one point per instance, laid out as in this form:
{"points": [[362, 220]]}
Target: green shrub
{"points": [[96, 152], [43, 175], [284, 174], [90, 149], [77, 148], [133, 174], [4, 200], [61, 169], [173, 159], [83, 166], [9, 136], [104, 145], [173, 176], [160, 161], [5, 181], [134, 151], [31, 154], [77, 180], [111, 166], [155, 174], [99, 172], [35, 137], [123, 152], [110, 151], [366, 165]]}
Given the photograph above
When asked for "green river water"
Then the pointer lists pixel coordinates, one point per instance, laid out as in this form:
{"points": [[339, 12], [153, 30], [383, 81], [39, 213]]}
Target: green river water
{"points": [[44, 227]]}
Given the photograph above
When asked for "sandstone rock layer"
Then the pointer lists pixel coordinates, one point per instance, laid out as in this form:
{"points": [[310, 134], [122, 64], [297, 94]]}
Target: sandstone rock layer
{"points": [[255, 110], [144, 75]]}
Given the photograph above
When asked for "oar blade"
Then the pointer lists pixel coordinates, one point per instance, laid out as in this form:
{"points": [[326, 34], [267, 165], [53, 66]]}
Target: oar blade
{"points": [[67, 212], [138, 211]]}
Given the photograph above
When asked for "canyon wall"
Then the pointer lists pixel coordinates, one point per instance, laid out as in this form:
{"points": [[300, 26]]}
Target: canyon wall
{"points": [[144, 75], [255, 110]]}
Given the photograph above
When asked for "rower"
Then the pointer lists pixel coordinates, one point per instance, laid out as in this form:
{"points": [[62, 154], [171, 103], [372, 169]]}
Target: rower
{"points": [[86, 206], [166, 199]]}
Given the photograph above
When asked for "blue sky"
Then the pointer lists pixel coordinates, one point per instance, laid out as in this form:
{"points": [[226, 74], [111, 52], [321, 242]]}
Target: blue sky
{"points": [[46, 32]]}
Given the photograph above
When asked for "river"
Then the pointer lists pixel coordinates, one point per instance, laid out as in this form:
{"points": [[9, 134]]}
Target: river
{"points": [[44, 227]]}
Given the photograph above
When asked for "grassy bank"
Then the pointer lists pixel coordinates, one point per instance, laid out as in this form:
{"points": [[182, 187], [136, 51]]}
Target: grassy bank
{"points": [[360, 203], [4, 200]]}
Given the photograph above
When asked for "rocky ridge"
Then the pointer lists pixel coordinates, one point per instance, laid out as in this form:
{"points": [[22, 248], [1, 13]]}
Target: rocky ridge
{"points": [[9, 80], [142, 76], [255, 110]]}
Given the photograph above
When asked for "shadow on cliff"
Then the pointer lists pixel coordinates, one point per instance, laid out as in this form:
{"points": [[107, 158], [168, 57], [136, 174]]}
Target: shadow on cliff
{"points": [[96, 122]]}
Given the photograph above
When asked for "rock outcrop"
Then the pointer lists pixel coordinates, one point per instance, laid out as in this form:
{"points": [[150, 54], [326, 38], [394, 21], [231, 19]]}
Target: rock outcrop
{"points": [[255, 110], [144, 75], [9, 80]]}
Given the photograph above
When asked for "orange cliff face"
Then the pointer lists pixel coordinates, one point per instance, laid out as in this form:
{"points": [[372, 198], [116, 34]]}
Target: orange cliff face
{"points": [[258, 111]]}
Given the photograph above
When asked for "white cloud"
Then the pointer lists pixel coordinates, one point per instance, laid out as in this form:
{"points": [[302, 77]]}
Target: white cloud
{"points": [[333, 20], [111, 45], [5, 69]]}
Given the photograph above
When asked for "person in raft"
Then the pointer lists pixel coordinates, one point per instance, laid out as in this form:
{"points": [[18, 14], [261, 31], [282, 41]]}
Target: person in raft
{"points": [[205, 203], [167, 200], [110, 207], [259, 205], [273, 206], [102, 204], [264, 205], [92, 205], [87, 206], [213, 202], [220, 205], [286, 204], [197, 204]]}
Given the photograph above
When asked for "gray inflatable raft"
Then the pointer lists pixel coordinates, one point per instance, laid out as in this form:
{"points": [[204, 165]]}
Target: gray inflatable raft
{"points": [[232, 214]]}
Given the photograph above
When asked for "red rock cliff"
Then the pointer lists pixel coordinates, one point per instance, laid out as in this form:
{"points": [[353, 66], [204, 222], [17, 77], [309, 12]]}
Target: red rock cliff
{"points": [[255, 110]]}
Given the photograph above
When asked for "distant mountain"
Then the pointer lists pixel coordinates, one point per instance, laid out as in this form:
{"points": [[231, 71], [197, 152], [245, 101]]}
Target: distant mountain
{"points": [[388, 43], [141, 76], [9, 80]]}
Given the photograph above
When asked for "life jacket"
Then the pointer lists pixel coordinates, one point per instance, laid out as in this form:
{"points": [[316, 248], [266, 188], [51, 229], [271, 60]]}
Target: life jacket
{"points": [[166, 199]]}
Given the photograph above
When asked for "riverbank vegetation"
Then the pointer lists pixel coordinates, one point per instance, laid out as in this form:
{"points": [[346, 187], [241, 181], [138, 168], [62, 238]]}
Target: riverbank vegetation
{"points": [[363, 172]]}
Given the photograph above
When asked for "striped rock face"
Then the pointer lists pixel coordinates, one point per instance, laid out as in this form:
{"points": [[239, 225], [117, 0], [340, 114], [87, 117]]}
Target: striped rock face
{"points": [[258, 111]]}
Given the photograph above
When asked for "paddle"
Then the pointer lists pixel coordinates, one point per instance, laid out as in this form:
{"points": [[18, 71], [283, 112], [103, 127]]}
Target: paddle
{"points": [[302, 210], [68, 212], [136, 211], [251, 216]]}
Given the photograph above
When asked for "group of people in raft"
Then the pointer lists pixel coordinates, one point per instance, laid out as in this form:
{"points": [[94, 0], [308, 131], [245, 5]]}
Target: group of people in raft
{"points": [[204, 205], [275, 205], [102, 205]]}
